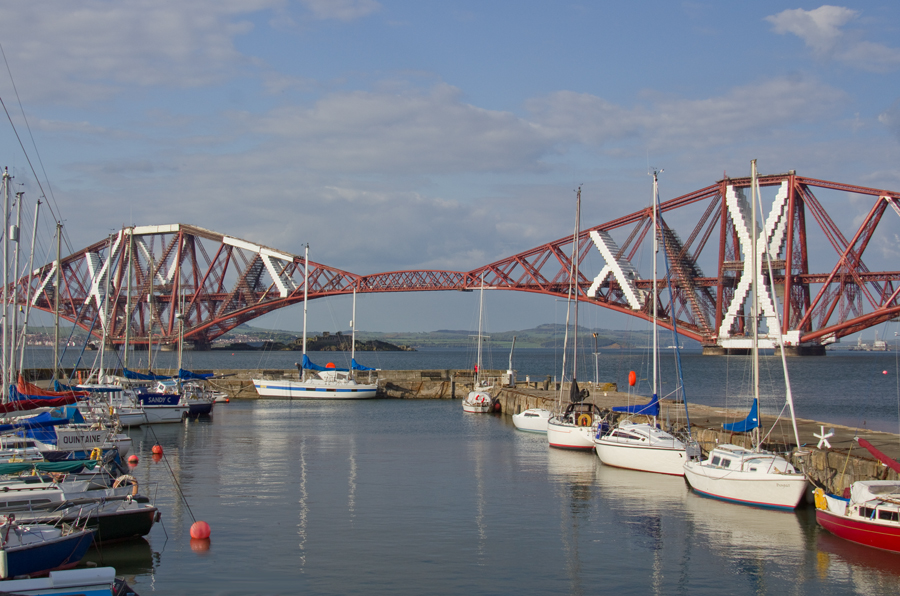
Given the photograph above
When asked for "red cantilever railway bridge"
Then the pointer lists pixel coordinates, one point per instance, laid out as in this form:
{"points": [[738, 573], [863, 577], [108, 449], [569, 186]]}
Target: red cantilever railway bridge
{"points": [[822, 290]]}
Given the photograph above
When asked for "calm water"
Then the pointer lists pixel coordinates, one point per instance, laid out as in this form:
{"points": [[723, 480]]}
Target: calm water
{"points": [[413, 497]]}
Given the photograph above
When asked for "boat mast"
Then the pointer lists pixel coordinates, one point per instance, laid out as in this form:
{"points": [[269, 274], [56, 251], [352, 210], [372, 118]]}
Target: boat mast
{"points": [[787, 379], [58, 282], [5, 317], [754, 291], [305, 294], [30, 277], [655, 297], [128, 272], [14, 237], [180, 317], [575, 287], [353, 333], [480, 319], [150, 326], [104, 312]]}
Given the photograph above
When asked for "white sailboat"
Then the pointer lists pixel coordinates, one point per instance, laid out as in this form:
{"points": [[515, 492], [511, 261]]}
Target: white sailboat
{"points": [[574, 426], [317, 382], [479, 400], [751, 476], [643, 446]]}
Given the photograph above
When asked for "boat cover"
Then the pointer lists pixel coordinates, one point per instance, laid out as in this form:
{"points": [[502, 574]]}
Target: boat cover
{"points": [[23, 403], [357, 366], [26, 388], [187, 375], [64, 467], [40, 427], [748, 423], [30, 423], [889, 462], [136, 376], [648, 409], [867, 490], [310, 365]]}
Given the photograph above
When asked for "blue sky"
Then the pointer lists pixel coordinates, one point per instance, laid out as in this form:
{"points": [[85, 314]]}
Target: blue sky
{"points": [[394, 135]]}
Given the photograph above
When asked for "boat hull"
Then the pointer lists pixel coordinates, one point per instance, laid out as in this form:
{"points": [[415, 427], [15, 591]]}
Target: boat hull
{"points": [[164, 414], [43, 556], [659, 460], [570, 436], [287, 389], [72, 582], [197, 408], [867, 533], [534, 420], [478, 402], [771, 491]]}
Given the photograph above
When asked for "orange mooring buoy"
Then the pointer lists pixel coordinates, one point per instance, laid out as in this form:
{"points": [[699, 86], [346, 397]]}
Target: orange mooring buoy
{"points": [[632, 378], [157, 449], [133, 459], [200, 530]]}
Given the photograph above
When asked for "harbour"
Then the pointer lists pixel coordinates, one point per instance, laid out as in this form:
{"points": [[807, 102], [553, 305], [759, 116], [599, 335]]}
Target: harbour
{"points": [[403, 496], [203, 178], [407, 494]]}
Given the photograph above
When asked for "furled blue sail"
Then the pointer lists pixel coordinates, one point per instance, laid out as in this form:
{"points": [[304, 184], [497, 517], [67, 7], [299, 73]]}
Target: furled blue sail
{"points": [[748, 423], [136, 376], [648, 409], [357, 366], [309, 364], [187, 375]]}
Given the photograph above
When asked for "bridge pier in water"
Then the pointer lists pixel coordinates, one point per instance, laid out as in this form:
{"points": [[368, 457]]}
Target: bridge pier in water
{"points": [[805, 350]]}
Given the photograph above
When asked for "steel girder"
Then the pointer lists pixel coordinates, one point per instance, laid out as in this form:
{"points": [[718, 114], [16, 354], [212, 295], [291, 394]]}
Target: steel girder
{"points": [[219, 282]]}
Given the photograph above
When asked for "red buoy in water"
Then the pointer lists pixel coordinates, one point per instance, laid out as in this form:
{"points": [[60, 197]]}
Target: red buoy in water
{"points": [[632, 378], [133, 459], [157, 449], [200, 530]]}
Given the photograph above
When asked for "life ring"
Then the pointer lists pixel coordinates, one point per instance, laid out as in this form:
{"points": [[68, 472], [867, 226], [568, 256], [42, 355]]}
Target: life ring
{"points": [[126, 478], [585, 420]]}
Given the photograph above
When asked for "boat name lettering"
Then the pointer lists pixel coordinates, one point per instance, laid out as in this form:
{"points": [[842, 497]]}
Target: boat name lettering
{"points": [[82, 439]]}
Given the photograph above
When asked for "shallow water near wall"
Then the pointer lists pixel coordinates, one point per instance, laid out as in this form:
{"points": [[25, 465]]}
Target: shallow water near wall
{"points": [[413, 497]]}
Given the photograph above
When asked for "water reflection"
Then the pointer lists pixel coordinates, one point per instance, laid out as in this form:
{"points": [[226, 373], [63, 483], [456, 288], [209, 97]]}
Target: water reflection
{"points": [[351, 480], [303, 513], [869, 570], [573, 474], [130, 557], [746, 531]]}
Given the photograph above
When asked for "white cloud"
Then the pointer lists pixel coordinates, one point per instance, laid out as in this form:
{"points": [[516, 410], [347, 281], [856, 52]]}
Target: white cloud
{"points": [[93, 50], [433, 131], [752, 111], [821, 30]]}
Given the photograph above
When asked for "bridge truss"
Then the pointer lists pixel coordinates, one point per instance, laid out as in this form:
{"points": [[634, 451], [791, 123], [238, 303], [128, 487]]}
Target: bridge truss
{"points": [[142, 283]]}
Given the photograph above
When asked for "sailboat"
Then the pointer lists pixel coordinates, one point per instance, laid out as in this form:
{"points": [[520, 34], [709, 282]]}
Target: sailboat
{"points": [[643, 446], [479, 400], [574, 426], [319, 382], [870, 515], [750, 476]]}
